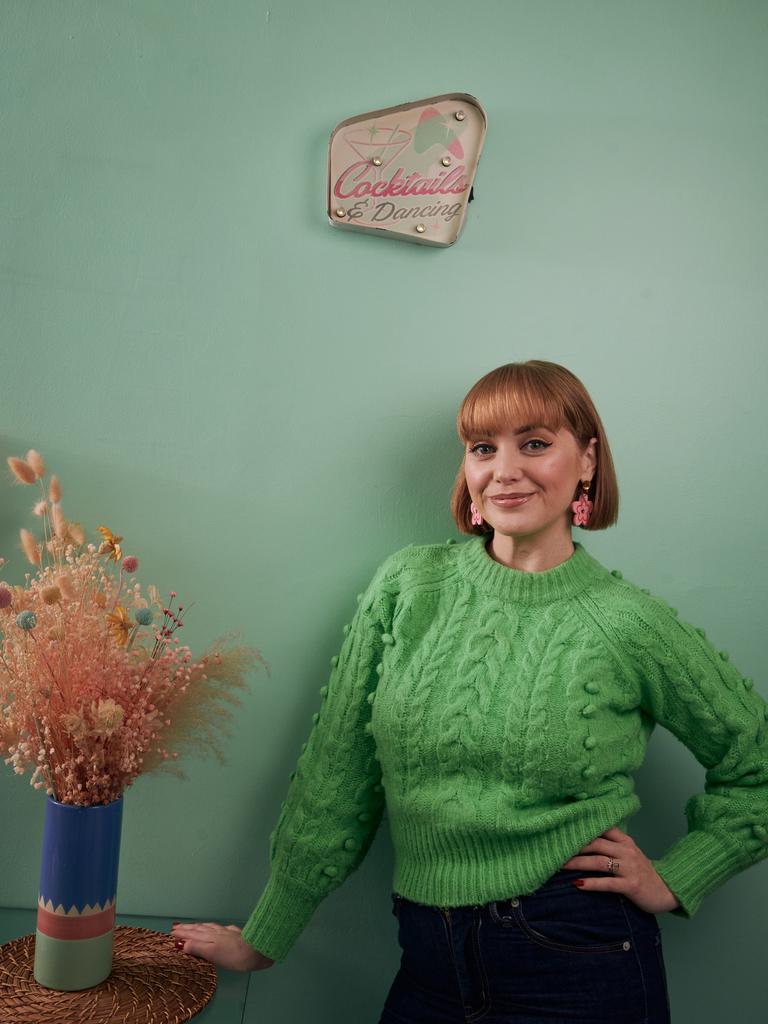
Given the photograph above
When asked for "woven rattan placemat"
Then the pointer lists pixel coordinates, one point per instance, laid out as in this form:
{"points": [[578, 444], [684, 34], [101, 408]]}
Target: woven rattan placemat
{"points": [[151, 982]]}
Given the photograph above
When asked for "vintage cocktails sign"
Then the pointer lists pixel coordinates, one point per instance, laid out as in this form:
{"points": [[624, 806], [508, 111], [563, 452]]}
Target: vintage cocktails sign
{"points": [[407, 171]]}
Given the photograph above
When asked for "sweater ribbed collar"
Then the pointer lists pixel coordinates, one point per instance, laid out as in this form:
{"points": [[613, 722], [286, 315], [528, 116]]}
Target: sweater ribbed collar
{"points": [[562, 581]]}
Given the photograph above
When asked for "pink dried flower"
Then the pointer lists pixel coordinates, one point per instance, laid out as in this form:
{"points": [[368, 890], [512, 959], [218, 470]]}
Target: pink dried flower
{"points": [[74, 724], [35, 460], [130, 563], [107, 717], [85, 714], [54, 489], [30, 546], [67, 588], [59, 522], [77, 533], [22, 470], [40, 508]]}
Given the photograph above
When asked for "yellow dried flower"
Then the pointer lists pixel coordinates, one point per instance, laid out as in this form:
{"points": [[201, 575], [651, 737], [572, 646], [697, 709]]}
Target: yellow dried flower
{"points": [[110, 545], [51, 595], [120, 624]]}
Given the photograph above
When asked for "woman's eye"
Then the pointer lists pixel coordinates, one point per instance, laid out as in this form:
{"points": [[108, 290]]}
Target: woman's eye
{"points": [[533, 441]]}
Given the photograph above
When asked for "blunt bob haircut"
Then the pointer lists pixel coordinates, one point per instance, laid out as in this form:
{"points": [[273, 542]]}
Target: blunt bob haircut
{"points": [[535, 392]]}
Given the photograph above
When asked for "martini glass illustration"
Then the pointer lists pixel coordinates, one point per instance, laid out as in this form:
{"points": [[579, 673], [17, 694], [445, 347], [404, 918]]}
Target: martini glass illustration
{"points": [[384, 143]]}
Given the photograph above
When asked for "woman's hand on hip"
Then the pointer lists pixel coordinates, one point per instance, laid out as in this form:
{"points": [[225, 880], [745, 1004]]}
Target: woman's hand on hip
{"points": [[636, 877], [220, 944]]}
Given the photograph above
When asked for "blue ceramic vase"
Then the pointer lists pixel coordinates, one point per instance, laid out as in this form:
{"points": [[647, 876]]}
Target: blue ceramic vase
{"points": [[76, 899]]}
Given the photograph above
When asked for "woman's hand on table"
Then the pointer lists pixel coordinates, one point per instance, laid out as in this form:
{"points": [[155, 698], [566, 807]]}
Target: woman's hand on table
{"points": [[637, 878], [220, 944]]}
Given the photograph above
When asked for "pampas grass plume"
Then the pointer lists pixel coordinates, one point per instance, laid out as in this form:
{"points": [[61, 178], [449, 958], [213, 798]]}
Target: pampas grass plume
{"points": [[30, 547], [54, 489], [35, 460], [22, 470], [59, 522], [40, 508], [77, 533]]}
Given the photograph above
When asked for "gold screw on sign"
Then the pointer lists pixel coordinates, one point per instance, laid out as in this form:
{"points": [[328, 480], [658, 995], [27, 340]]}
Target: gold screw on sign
{"points": [[340, 211], [376, 161], [421, 228], [446, 161], [459, 115]]}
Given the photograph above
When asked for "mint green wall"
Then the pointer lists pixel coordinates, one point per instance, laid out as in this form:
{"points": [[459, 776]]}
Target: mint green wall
{"points": [[221, 377]]}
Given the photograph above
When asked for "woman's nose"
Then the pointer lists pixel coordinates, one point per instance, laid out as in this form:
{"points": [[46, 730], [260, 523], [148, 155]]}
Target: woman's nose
{"points": [[508, 470]]}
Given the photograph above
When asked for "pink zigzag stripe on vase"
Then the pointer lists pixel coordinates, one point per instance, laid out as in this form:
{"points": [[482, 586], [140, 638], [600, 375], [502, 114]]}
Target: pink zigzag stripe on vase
{"points": [[88, 909], [75, 926]]}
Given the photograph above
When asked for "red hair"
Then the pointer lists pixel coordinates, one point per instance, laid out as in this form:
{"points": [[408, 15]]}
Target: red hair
{"points": [[535, 392]]}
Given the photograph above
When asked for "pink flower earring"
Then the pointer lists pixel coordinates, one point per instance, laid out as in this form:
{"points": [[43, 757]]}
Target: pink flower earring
{"points": [[582, 508], [476, 517]]}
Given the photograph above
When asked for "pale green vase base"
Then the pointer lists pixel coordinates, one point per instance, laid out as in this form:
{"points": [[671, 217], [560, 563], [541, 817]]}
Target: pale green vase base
{"points": [[72, 964]]}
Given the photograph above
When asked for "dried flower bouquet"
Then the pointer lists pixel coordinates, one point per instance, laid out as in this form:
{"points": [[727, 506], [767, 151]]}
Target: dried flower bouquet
{"points": [[95, 687]]}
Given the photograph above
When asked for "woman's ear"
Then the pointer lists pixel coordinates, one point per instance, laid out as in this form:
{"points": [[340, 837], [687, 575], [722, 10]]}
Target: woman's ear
{"points": [[589, 459]]}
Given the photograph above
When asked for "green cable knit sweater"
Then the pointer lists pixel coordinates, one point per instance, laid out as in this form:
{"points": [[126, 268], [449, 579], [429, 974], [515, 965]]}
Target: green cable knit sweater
{"points": [[498, 715]]}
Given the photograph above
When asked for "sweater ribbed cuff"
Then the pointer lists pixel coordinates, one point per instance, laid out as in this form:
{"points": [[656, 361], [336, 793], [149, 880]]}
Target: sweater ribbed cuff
{"points": [[695, 865], [282, 913]]}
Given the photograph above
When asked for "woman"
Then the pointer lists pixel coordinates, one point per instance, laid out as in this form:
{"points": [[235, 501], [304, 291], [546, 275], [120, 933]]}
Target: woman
{"points": [[501, 693]]}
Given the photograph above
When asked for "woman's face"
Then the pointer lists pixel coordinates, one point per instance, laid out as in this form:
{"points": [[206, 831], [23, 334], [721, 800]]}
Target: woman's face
{"points": [[544, 465]]}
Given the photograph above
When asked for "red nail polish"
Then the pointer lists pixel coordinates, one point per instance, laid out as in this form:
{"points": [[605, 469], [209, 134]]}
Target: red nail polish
{"points": [[579, 882], [179, 944]]}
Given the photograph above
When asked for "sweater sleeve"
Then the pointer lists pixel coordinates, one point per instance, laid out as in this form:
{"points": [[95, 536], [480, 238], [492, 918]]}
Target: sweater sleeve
{"points": [[700, 696], [334, 802]]}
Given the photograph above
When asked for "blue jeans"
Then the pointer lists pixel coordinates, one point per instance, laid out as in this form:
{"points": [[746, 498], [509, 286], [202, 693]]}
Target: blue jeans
{"points": [[558, 954]]}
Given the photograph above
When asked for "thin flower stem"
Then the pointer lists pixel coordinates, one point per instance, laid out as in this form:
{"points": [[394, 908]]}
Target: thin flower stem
{"points": [[46, 762], [119, 588], [48, 664], [45, 520], [8, 668]]}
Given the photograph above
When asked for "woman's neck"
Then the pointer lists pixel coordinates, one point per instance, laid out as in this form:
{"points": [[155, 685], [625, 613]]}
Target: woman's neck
{"points": [[530, 553]]}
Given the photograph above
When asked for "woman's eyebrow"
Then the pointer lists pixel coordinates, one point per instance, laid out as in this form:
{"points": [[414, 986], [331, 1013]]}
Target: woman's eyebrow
{"points": [[524, 430], [534, 426]]}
